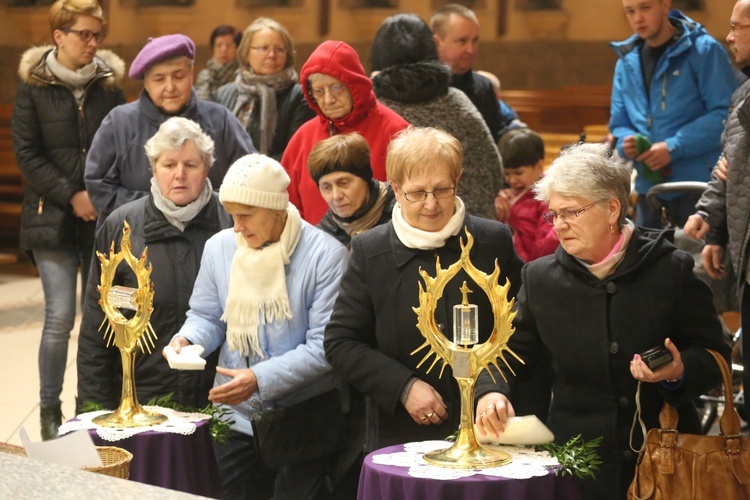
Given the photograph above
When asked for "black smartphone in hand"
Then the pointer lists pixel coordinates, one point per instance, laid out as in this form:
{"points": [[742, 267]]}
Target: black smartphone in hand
{"points": [[656, 357]]}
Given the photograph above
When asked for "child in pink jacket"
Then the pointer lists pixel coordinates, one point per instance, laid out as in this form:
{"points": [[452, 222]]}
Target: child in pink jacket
{"points": [[523, 160]]}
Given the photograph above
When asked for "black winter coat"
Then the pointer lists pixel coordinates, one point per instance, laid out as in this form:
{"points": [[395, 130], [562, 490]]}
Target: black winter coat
{"points": [[51, 136], [593, 328], [175, 257], [479, 90], [373, 329]]}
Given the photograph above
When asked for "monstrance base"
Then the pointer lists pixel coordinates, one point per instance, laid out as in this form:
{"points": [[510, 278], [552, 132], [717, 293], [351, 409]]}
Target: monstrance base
{"points": [[459, 457], [140, 418]]}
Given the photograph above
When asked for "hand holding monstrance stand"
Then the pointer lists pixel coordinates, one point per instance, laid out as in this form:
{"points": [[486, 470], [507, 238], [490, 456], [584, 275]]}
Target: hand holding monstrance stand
{"points": [[466, 357], [127, 334]]}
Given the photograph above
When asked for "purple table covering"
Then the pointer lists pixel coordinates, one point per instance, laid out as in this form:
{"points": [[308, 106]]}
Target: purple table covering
{"points": [[388, 482], [174, 461]]}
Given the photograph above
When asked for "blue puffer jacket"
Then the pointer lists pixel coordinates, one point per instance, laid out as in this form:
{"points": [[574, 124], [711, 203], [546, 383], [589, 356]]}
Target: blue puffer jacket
{"points": [[686, 105], [295, 368]]}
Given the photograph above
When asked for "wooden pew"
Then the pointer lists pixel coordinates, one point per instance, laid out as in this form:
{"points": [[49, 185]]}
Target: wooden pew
{"points": [[561, 111]]}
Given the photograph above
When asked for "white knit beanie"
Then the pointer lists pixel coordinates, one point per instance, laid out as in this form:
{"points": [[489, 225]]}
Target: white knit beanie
{"points": [[257, 181]]}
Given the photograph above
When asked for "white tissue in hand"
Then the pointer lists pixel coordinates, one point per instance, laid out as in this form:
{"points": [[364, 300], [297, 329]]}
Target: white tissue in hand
{"points": [[189, 358]]}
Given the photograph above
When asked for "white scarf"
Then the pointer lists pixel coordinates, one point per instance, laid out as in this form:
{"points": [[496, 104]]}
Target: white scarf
{"points": [[412, 237], [176, 215], [257, 287]]}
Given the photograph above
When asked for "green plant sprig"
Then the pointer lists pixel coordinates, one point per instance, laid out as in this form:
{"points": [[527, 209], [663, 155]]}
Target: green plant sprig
{"points": [[577, 457]]}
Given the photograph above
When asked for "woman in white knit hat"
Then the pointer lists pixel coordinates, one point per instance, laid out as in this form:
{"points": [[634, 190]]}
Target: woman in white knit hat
{"points": [[263, 296]]}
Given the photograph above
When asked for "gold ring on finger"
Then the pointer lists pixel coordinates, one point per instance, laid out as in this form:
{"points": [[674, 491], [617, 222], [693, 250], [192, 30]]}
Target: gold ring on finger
{"points": [[429, 415]]}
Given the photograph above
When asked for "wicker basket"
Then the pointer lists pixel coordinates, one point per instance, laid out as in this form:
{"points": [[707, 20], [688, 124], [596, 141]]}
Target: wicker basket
{"points": [[116, 462], [12, 449]]}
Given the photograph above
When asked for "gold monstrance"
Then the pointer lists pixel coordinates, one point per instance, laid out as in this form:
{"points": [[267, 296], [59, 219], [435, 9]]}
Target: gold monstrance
{"points": [[466, 358], [127, 334]]}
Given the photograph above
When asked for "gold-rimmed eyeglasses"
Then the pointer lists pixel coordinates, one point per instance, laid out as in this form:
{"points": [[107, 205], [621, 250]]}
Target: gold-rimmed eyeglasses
{"points": [[335, 90], [566, 215], [734, 27], [439, 194], [266, 49], [86, 35]]}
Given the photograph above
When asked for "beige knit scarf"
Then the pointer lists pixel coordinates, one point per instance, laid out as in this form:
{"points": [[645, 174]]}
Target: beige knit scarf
{"points": [[257, 287]]}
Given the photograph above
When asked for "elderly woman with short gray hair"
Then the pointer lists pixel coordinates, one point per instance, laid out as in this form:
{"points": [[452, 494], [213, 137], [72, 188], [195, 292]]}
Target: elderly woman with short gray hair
{"points": [[610, 292], [174, 221]]}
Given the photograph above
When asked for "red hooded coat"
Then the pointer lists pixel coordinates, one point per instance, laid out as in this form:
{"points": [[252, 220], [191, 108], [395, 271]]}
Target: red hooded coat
{"points": [[377, 123], [532, 237]]}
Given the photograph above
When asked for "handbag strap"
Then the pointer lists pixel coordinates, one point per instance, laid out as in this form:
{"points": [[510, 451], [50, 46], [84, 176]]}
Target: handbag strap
{"points": [[730, 426], [637, 418], [730, 420]]}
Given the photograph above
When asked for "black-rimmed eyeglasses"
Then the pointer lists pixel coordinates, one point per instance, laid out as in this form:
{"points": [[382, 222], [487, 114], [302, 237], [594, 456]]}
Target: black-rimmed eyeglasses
{"points": [[86, 35], [566, 215]]}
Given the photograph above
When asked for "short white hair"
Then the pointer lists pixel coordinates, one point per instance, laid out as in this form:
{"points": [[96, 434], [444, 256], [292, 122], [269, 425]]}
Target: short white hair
{"points": [[587, 171], [173, 134]]}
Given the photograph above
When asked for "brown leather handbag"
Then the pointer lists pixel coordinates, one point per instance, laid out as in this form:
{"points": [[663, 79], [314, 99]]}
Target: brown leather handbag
{"points": [[675, 466]]}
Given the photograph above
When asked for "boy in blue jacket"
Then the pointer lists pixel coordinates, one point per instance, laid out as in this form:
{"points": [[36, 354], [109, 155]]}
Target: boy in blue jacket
{"points": [[672, 86]]}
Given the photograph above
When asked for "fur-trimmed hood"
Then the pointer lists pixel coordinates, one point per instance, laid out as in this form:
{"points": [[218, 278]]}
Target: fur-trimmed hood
{"points": [[33, 69]]}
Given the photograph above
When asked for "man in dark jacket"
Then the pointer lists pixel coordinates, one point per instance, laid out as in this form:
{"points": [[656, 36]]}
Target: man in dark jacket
{"points": [[723, 215], [117, 170], [456, 33]]}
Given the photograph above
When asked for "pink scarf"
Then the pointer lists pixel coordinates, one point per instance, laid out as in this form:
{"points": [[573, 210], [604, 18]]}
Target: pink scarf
{"points": [[608, 265]]}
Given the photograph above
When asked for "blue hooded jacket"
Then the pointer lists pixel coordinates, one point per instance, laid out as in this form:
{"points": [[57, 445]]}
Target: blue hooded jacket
{"points": [[685, 106]]}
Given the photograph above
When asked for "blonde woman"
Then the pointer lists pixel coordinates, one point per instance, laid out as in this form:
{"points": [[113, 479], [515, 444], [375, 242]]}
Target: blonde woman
{"points": [[65, 92]]}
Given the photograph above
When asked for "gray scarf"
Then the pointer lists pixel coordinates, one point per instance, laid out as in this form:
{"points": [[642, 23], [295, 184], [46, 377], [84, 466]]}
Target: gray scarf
{"points": [[220, 74], [76, 80], [180, 216], [253, 88]]}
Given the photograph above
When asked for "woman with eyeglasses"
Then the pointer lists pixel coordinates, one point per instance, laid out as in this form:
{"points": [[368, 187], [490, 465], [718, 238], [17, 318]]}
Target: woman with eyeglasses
{"points": [[610, 292], [340, 93], [266, 95], [64, 94], [373, 331]]}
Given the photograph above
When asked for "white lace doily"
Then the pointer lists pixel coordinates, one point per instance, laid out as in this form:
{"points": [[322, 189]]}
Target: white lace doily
{"points": [[177, 423], [526, 462]]}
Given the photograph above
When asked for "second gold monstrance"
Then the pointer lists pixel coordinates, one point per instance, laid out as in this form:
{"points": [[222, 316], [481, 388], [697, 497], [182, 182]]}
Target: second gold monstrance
{"points": [[466, 361], [127, 334]]}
